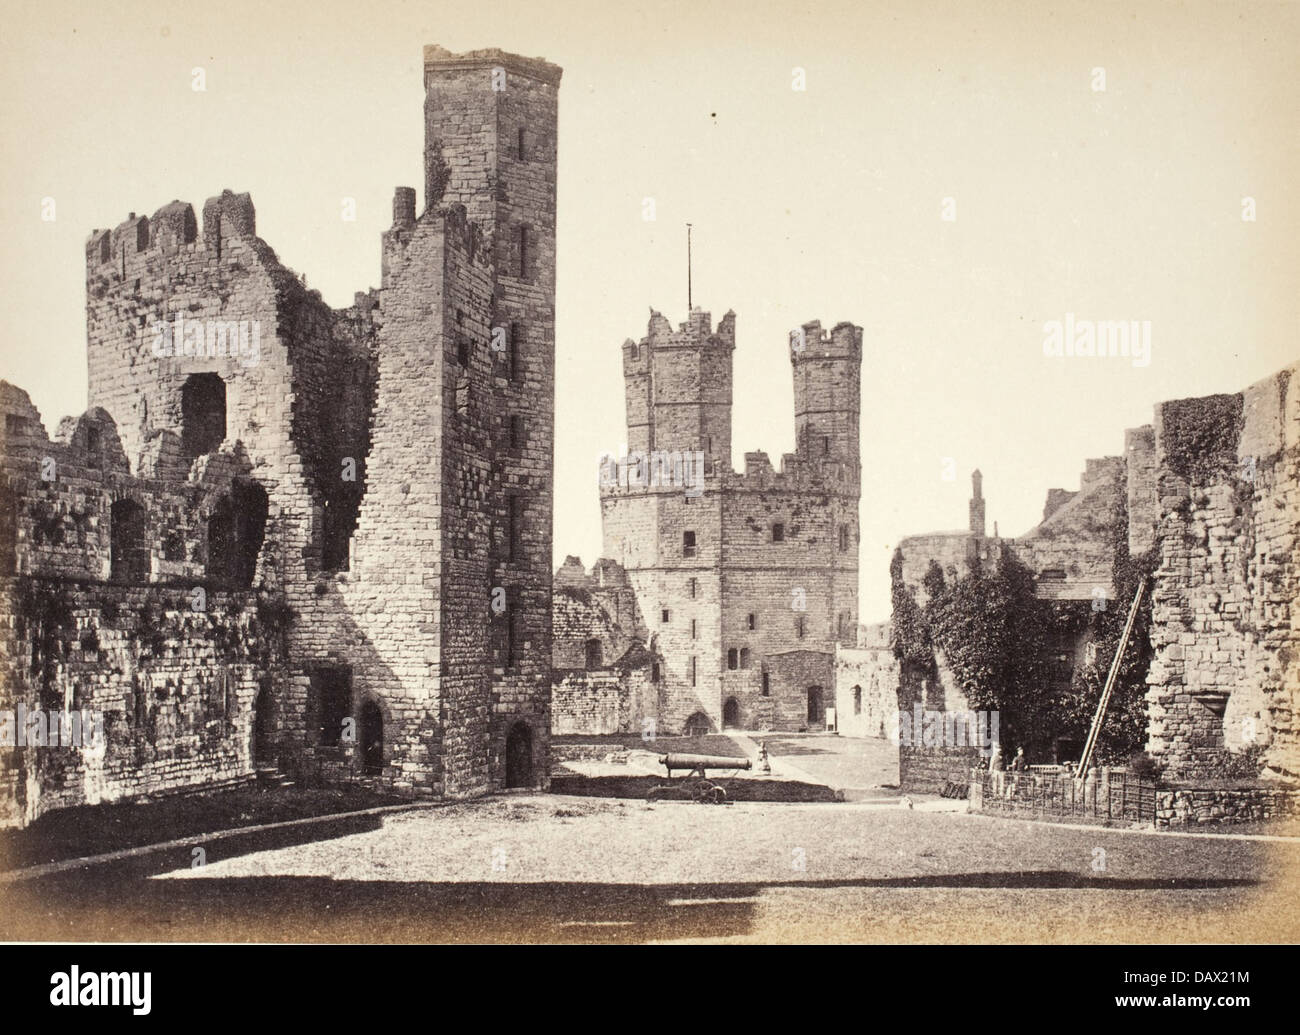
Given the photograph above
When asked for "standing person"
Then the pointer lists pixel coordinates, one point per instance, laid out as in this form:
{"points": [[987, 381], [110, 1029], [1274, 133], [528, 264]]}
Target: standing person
{"points": [[1018, 763], [996, 768]]}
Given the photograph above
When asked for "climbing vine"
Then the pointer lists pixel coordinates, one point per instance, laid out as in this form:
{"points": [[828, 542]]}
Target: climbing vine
{"points": [[999, 641]]}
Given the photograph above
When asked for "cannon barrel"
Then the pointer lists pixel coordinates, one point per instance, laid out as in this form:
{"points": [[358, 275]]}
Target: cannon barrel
{"points": [[694, 762]]}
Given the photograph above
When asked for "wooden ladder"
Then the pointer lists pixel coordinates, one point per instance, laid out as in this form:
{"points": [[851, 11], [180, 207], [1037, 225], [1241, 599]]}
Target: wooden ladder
{"points": [[1095, 732]]}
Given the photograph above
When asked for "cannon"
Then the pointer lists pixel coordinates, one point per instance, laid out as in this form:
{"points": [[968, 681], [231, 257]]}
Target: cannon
{"points": [[697, 787], [696, 765]]}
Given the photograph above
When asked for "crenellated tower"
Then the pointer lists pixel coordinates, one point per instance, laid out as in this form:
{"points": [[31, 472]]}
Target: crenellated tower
{"points": [[678, 387], [827, 394]]}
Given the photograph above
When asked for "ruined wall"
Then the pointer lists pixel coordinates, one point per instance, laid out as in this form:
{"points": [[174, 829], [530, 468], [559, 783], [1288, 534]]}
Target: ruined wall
{"points": [[866, 691], [1143, 500], [615, 689], [215, 373], [954, 552], [143, 637], [1072, 552], [1223, 680]]}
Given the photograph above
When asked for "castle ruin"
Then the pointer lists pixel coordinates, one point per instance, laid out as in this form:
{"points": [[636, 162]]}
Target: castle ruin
{"points": [[295, 537]]}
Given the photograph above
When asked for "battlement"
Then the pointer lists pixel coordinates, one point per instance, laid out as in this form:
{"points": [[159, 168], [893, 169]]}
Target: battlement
{"points": [[439, 59], [796, 474], [844, 340], [171, 228], [695, 333]]}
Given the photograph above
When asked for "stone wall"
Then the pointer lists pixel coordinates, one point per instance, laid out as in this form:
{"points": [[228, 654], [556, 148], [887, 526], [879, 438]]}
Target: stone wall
{"points": [[866, 691], [171, 688], [617, 700], [739, 582], [402, 449], [1225, 805], [1223, 683], [1072, 552], [925, 770]]}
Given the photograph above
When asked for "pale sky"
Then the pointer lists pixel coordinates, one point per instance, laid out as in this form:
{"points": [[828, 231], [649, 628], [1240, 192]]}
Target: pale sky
{"points": [[826, 203]]}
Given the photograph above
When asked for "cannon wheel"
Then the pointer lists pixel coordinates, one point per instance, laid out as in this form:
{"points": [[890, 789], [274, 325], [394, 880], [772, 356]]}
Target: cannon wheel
{"points": [[708, 793]]}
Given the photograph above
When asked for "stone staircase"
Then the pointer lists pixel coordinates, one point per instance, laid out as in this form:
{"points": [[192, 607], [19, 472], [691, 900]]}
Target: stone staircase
{"points": [[270, 777]]}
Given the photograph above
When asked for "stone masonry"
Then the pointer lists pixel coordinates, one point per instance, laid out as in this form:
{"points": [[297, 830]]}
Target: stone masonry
{"points": [[1211, 492], [745, 581], [364, 492]]}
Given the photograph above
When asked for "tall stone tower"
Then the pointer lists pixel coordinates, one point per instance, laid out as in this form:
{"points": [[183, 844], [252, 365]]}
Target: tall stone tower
{"points": [[977, 503], [490, 144], [749, 580], [456, 524], [827, 394], [678, 387]]}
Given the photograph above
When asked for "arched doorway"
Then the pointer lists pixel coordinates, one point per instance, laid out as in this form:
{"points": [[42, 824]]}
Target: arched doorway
{"points": [[731, 714], [697, 725], [263, 728], [816, 708], [372, 739], [519, 756]]}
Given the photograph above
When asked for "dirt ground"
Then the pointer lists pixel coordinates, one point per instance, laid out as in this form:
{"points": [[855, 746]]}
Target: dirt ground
{"points": [[558, 869]]}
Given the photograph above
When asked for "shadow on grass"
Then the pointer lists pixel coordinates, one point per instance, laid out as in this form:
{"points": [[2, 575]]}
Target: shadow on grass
{"points": [[105, 906], [97, 829], [738, 788]]}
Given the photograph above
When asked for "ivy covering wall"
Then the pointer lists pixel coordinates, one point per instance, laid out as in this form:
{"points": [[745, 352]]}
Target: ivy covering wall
{"points": [[1000, 642]]}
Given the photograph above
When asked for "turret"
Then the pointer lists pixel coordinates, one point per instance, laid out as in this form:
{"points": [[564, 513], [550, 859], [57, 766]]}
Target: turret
{"points": [[827, 392], [678, 387], [977, 503]]}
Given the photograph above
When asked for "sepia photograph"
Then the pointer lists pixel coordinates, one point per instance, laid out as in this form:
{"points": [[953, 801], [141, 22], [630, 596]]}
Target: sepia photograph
{"points": [[567, 473]]}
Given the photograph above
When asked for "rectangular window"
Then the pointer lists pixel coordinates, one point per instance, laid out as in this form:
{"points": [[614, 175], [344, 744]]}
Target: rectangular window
{"points": [[778, 532], [767, 686], [93, 442], [688, 544], [752, 621], [798, 626], [733, 659], [694, 635], [523, 252], [513, 637], [512, 528], [693, 585], [826, 445], [219, 701], [844, 538], [516, 346], [693, 659], [663, 615]]}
